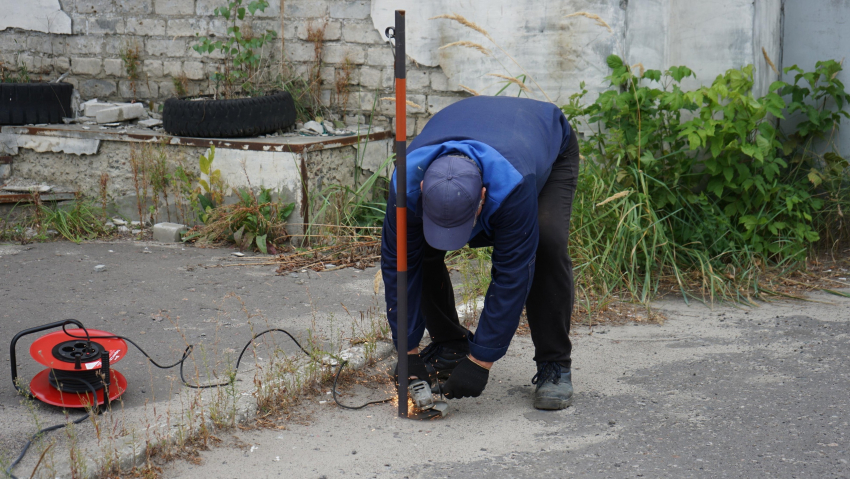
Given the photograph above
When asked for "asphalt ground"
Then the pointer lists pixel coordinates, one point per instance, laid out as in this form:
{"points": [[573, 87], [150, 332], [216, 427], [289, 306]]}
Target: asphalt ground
{"points": [[762, 392], [165, 296], [721, 392]]}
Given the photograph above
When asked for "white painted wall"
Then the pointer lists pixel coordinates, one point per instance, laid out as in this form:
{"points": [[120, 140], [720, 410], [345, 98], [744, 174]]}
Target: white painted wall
{"points": [[557, 52], [816, 31], [278, 171], [709, 37], [35, 15]]}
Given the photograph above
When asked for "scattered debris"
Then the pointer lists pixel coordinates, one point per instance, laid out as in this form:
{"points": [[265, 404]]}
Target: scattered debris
{"points": [[23, 192], [326, 128], [312, 128], [100, 268], [150, 122], [123, 112], [168, 232], [28, 189]]}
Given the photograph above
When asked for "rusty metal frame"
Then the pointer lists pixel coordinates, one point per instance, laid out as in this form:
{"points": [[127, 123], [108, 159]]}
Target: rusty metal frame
{"points": [[274, 144], [9, 198]]}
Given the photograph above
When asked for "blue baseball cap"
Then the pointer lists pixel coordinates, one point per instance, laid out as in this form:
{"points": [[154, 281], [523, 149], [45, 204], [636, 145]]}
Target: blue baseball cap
{"points": [[451, 193]]}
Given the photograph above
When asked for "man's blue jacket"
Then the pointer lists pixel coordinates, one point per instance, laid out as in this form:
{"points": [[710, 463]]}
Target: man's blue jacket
{"points": [[515, 141]]}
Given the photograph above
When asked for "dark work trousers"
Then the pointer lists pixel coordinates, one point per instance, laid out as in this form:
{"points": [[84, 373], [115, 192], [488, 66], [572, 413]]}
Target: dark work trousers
{"points": [[550, 301]]}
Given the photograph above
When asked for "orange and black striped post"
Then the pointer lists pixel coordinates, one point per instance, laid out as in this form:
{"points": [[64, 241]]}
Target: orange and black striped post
{"points": [[401, 207]]}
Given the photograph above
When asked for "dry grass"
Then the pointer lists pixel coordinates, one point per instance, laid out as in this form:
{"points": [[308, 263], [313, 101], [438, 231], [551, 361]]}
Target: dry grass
{"points": [[614, 197], [640, 68], [474, 26], [769, 61], [316, 35], [463, 21], [409, 103], [592, 16], [467, 44], [513, 80], [470, 90], [342, 85]]}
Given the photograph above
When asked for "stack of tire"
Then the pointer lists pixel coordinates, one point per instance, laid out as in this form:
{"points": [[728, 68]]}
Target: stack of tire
{"points": [[234, 118], [31, 103]]}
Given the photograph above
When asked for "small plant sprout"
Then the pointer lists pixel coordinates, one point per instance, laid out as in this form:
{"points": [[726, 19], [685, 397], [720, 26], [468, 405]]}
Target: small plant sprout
{"points": [[240, 70]]}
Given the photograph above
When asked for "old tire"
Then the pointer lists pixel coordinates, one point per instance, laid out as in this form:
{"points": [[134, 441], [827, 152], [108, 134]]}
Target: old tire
{"points": [[229, 118], [28, 103]]}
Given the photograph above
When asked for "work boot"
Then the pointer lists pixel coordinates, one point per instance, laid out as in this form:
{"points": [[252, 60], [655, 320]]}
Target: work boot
{"points": [[444, 356], [554, 386]]}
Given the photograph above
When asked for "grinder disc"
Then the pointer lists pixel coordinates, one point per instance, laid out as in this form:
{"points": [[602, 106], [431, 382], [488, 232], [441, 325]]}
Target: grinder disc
{"points": [[40, 388], [56, 350]]}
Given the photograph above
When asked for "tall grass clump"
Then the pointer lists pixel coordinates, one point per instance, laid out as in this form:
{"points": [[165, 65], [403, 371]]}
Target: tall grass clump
{"points": [[705, 191], [82, 221], [351, 213]]}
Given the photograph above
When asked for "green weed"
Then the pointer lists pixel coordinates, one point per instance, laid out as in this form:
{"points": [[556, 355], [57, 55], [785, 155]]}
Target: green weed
{"points": [[255, 221], [357, 210], [241, 67], [700, 190], [80, 222]]}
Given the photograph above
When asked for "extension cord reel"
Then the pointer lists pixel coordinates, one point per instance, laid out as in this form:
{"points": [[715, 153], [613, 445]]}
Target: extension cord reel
{"points": [[76, 364]]}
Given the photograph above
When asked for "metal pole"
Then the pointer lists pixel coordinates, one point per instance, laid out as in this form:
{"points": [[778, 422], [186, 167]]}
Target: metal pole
{"points": [[401, 207]]}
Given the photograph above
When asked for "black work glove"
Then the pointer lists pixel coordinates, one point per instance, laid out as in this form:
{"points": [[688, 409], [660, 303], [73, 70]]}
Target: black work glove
{"points": [[415, 367], [467, 380]]}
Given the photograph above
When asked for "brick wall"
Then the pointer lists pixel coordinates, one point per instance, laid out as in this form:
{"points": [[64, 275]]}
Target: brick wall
{"points": [[164, 31]]}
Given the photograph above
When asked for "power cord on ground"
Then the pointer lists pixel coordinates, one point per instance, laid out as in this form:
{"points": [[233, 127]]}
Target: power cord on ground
{"points": [[186, 353]]}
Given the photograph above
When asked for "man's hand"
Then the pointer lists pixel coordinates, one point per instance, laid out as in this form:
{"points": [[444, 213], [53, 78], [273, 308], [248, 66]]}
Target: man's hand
{"points": [[467, 380]]}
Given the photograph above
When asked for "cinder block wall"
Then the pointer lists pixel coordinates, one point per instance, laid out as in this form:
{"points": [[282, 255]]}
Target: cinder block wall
{"points": [[658, 34], [165, 30]]}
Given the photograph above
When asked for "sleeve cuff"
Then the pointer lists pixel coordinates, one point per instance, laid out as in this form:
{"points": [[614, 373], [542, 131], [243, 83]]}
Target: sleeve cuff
{"points": [[414, 337], [482, 353]]}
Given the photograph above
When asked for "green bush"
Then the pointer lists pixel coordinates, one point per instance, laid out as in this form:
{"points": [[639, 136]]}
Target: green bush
{"points": [[714, 161], [255, 221], [703, 185]]}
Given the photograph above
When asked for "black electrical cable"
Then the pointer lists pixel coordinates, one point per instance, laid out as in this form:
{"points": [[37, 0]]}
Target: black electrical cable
{"points": [[188, 351], [66, 379], [428, 367], [335, 393], [89, 387], [75, 381]]}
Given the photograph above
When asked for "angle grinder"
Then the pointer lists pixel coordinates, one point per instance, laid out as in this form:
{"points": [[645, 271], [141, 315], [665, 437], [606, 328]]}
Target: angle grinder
{"points": [[424, 404]]}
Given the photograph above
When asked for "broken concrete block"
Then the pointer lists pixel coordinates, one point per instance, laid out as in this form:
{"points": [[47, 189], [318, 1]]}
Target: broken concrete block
{"points": [[90, 108], [100, 268], [150, 123], [120, 113], [168, 232]]}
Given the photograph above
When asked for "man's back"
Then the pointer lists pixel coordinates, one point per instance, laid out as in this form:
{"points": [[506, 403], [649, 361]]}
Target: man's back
{"points": [[530, 134]]}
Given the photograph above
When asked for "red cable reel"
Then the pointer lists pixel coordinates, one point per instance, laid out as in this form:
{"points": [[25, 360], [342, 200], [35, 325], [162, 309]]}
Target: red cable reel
{"points": [[78, 361]]}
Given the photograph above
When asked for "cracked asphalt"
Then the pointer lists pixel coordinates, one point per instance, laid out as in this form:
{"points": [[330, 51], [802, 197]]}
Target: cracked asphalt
{"points": [[763, 392], [164, 296], [722, 392]]}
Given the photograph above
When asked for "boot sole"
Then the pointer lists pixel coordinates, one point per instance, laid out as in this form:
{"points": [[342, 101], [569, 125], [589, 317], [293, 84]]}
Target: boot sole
{"points": [[552, 404]]}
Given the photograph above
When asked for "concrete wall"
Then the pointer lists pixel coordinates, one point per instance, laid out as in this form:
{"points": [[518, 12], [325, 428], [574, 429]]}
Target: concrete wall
{"points": [[556, 51], [73, 161], [708, 37], [164, 31], [815, 31]]}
